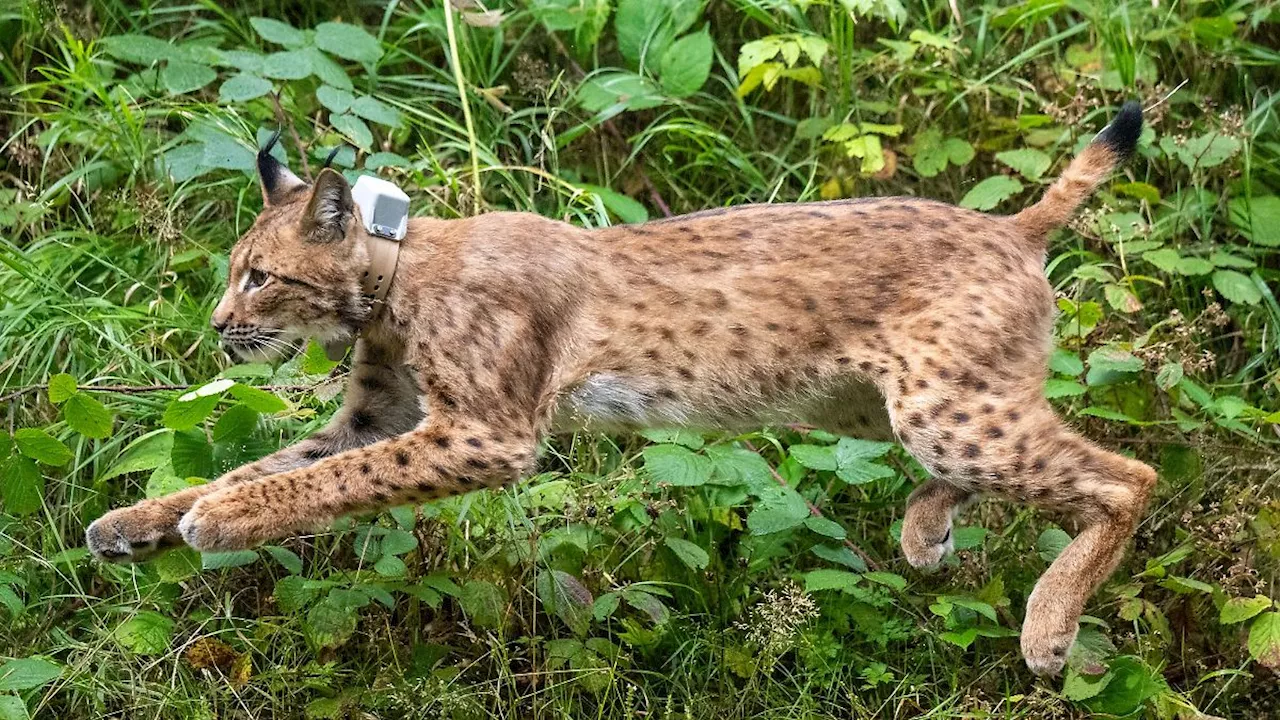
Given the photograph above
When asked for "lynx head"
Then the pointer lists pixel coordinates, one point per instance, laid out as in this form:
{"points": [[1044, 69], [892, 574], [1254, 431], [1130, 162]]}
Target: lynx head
{"points": [[296, 272]]}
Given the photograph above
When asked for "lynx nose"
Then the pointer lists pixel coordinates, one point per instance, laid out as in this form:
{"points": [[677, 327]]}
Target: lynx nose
{"points": [[218, 323]]}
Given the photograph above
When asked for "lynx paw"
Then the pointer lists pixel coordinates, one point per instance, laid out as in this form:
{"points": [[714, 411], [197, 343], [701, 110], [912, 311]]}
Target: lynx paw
{"points": [[1045, 648], [214, 526], [925, 546], [132, 534]]}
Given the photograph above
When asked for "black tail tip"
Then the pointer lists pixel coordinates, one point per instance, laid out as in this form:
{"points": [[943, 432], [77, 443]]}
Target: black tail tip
{"points": [[1121, 136]]}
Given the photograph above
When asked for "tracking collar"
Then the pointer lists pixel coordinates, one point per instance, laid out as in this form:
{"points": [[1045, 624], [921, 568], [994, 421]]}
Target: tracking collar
{"points": [[384, 211]]}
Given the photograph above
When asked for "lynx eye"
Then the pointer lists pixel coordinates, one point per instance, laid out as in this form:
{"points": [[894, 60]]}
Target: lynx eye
{"points": [[257, 278]]}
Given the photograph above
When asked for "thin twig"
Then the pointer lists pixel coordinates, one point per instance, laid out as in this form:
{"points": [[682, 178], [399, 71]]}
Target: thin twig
{"points": [[613, 130], [139, 389], [287, 121], [815, 512]]}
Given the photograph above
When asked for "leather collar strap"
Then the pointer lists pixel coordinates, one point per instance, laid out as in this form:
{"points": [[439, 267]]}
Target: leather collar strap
{"points": [[384, 256]]}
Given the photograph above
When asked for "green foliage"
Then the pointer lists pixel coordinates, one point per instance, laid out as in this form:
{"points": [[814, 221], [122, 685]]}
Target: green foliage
{"points": [[673, 573]]}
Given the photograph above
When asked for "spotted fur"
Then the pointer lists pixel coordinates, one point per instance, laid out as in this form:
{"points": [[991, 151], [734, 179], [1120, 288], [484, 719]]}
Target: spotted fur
{"points": [[877, 317]]}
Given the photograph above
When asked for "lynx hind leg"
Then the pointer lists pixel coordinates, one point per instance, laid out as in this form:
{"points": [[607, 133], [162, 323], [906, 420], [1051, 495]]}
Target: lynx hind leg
{"points": [[980, 441], [926, 529]]}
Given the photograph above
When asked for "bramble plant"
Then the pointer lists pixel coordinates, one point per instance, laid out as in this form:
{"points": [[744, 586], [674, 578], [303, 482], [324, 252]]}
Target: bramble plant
{"points": [[671, 573]]}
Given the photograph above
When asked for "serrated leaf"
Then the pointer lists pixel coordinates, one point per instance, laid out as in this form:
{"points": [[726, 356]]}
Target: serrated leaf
{"points": [[295, 592], [1237, 610], [1236, 287], [398, 542], [348, 41], [288, 65], [1031, 163], [192, 455], [329, 624], [690, 554], [784, 512], [888, 579], [861, 472], [140, 49], [1193, 266], [258, 399], [21, 486], [315, 362], [686, 64], [1264, 640], [328, 71], [1169, 375], [335, 99], [379, 160], [826, 579], [991, 192], [374, 110], [42, 447], [243, 87], [87, 416], [1258, 218], [28, 674], [223, 560], [676, 465], [13, 708], [61, 387], [181, 77], [1051, 543], [278, 32], [1059, 388], [826, 527], [354, 128], [236, 424], [146, 453], [177, 565], [840, 554], [390, 566], [815, 457], [147, 633], [484, 603]]}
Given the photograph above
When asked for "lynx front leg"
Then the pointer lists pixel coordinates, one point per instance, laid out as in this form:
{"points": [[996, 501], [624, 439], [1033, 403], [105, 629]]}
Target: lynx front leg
{"points": [[381, 402], [443, 458]]}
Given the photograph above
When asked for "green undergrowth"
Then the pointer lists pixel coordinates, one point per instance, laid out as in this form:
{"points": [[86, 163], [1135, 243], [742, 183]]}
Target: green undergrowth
{"points": [[673, 574]]}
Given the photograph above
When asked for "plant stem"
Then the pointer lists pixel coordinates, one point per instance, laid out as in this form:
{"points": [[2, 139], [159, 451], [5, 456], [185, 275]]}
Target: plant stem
{"points": [[462, 96]]}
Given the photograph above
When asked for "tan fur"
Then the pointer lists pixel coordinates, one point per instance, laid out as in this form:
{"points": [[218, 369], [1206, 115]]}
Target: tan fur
{"points": [[884, 317]]}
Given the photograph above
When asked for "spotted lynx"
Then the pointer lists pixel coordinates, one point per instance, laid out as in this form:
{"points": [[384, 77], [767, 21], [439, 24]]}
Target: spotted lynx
{"points": [[878, 317]]}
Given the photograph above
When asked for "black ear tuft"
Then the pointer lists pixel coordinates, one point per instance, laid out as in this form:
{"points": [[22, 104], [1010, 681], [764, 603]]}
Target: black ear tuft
{"points": [[332, 154], [1121, 136], [277, 181]]}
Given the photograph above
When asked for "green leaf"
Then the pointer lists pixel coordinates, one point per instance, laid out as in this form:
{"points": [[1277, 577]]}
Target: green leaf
{"points": [[617, 91], [1059, 388], [295, 592], [354, 128], [145, 453], [243, 87], [390, 566], [278, 32], [177, 565], [691, 555], [1111, 364], [398, 542], [815, 457], [861, 472], [21, 486], [328, 71], [629, 211], [1066, 362], [1208, 150], [329, 623], [12, 708], [1258, 218], [1227, 260], [185, 415], [1194, 266], [147, 633], [288, 65], [1130, 686], [1051, 543], [28, 674], [1264, 640], [605, 606], [1089, 651], [840, 554], [258, 399], [484, 603], [1139, 190], [140, 49], [826, 579], [1169, 375], [334, 99], [783, 512], [686, 64], [348, 41], [826, 527], [42, 447], [968, 538], [1031, 163], [243, 60], [1078, 687], [374, 110], [991, 192], [192, 455], [87, 416], [181, 77], [379, 160], [1237, 610], [931, 152], [676, 465], [1237, 287], [645, 28], [315, 362], [286, 557], [236, 424], [232, 559], [61, 387]]}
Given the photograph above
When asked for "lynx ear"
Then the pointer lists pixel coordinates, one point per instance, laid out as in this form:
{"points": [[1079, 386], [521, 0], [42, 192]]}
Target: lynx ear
{"points": [[329, 211], [278, 184]]}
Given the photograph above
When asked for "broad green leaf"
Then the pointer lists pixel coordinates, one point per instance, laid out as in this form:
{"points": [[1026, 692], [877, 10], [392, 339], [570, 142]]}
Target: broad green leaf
{"points": [[1089, 651], [258, 399], [645, 28], [826, 527], [1237, 287], [41, 446], [243, 87], [87, 416], [860, 472], [1066, 362], [13, 708], [815, 457], [627, 210], [1166, 259], [1194, 266], [348, 41], [328, 71], [390, 566], [177, 565], [242, 60], [235, 425], [1237, 610], [1051, 543], [1206, 151], [379, 160], [295, 592], [329, 624], [1227, 260], [691, 555], [617, 91], [968, 538], [1139, 190], [398, 542], [61, 387], [315, 362], [991, 192], [185, 415], [784, 512], [1258, 218], [335, 99], [181, 77], [147, 633], [931, 152], [888, 579], [676, 465], [232, 559], [278, 32], [849, 450], [840, 554], [1264, 640], [1031, 163], [1059, 388], [146, 453], [1079, 687], [288, 65], [140, 49], [1130, 686], [28, 673], [1169, 375], [374, 110], [354, 128], [686, 64], [484, 603], [21, 486], [825, 579]]}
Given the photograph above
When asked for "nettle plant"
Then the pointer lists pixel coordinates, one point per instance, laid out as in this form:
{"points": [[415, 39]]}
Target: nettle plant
{"points": [[312, 64]]}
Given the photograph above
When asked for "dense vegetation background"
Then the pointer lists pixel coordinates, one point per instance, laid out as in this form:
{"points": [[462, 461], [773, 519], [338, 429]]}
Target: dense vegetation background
{"points": [[674, 575]]}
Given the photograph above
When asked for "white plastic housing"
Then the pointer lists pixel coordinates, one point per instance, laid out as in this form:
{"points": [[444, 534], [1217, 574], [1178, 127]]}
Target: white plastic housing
{"points": [[383, 207]]}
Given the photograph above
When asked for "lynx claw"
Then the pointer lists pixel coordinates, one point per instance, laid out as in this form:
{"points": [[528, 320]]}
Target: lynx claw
{"points": [[117, 537]]}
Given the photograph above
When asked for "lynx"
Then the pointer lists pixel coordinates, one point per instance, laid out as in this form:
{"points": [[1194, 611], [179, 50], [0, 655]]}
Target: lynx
{"points": [[892, 317]]}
